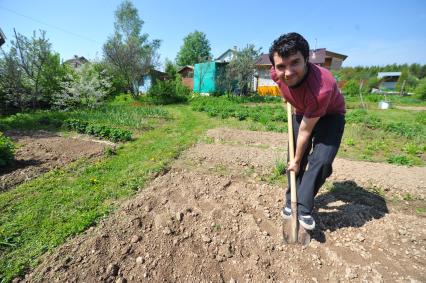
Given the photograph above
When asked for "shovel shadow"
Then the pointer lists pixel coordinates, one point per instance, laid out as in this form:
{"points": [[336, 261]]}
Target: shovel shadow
{"points": [[346, 205]]}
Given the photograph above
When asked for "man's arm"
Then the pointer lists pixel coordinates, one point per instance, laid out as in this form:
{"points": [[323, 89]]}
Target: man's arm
{"points": [[305, 130]]}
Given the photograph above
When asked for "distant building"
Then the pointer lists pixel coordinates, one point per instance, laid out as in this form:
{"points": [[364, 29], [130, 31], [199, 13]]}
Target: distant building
{"points": [[388, 80], [264, 85], [227, 56], [149, 79], [187, 74], [76, 62], [326, 59], [205, 76]]}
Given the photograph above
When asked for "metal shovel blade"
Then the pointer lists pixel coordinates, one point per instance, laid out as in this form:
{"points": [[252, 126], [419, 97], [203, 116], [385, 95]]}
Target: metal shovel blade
{"points": [[303, 235]]}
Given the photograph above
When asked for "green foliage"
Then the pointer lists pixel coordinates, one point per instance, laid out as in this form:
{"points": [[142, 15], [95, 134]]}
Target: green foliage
{"points": [[363, 116], [351, 88], [421, 117], [403, 129], [30, 73], [195, 49], [412, 148], [410, 81], [7, 150], [129, 51], [408, 197], [237, 76], [168, 91], [101, 131], [272, 117], [420, 90], [85, 88], [171, 70], [400, 160]]}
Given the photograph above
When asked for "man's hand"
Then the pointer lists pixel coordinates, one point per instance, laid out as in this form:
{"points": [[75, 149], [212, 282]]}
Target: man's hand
{"points": [[293, 166]]}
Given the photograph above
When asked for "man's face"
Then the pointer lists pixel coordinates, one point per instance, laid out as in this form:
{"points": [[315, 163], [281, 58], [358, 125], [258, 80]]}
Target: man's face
{"points": [[291, 69]]}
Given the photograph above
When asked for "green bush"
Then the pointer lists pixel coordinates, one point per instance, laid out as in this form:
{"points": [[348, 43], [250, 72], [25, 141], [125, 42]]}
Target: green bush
{"points": [[101, 131], [7, 150], [351, 88], [169, 91], [421, 90]]}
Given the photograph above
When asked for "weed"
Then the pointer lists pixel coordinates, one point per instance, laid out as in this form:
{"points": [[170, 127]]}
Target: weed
{"points": [[350, 142], [400, 160], [408, 197]]}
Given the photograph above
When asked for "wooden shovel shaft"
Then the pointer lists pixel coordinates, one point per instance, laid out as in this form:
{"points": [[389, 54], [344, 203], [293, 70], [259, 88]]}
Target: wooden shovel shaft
{"points": [[294, 222]]}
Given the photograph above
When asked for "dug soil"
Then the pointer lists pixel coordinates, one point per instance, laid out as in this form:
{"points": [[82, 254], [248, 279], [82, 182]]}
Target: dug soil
{"points": [[215, 217], [41, 151]]}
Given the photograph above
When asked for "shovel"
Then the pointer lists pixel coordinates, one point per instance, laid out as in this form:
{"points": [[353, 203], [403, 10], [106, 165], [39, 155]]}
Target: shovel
{"points": [[292, 233]]}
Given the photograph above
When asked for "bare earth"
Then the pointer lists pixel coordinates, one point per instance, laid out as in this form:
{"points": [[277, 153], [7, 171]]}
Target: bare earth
{"points": [[213, 218], [40, 151]]}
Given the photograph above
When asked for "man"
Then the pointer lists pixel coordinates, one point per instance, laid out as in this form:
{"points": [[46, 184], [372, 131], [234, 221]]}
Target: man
{"points": [[318, 122]]}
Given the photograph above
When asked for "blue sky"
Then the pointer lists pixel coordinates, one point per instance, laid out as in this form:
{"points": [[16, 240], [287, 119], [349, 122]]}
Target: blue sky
{"points": [[369, 32]]}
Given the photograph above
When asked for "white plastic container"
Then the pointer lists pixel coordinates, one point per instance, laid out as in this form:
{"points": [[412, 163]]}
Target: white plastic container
{"points": [[384, 105]]}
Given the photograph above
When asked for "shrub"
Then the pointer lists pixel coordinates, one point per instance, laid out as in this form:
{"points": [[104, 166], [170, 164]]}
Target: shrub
{"points": [[85, 88], [101, 131], [351, 88], [169, 91], [7, 150], [421, 90]]}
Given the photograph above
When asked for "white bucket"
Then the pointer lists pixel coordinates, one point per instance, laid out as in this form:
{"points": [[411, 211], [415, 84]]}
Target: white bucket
{"points": [[384, 105]]}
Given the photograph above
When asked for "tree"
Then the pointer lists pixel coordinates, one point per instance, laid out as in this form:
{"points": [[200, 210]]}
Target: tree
{"points": [[86, 87], [128, 50], [240, 71], [13, 93], [30, 73], [195, 49], [171, 69], [32, 56]]}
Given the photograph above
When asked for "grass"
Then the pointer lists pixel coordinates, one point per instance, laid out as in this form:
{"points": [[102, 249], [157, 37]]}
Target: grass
{"points": [[129, 116], [265, 115], [41, 214], [394, 136]]}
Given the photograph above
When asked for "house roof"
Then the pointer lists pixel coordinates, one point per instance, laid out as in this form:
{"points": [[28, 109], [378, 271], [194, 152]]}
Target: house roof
{"points": [[80, 59], [263, 60], [381, 75], [224, 54], [185, 67]]}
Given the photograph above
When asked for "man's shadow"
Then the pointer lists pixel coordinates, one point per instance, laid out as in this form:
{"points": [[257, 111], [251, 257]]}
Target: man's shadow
{"points": [[346, 205]]}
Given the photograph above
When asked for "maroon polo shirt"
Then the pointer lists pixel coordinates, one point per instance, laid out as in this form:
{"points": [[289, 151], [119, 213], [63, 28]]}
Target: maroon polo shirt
{"points": [[317, 94]]}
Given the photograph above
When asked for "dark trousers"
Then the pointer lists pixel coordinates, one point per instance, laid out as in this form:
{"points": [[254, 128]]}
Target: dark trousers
{"points": [[316, 165]]}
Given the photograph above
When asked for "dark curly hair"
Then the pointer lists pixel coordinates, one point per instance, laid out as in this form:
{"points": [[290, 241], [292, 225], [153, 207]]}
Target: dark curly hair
{"points": [[288, 44]]}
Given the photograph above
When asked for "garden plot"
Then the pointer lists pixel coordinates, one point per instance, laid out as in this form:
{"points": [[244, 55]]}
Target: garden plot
{"points": [[212, 217], [41, 151]]}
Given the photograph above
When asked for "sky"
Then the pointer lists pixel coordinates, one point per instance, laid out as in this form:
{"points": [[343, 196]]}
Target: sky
{"points": [[369, 32]]}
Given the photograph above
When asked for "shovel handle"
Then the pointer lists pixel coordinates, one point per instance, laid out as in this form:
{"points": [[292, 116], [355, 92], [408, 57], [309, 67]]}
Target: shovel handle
{"points": [[294, 222]]}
